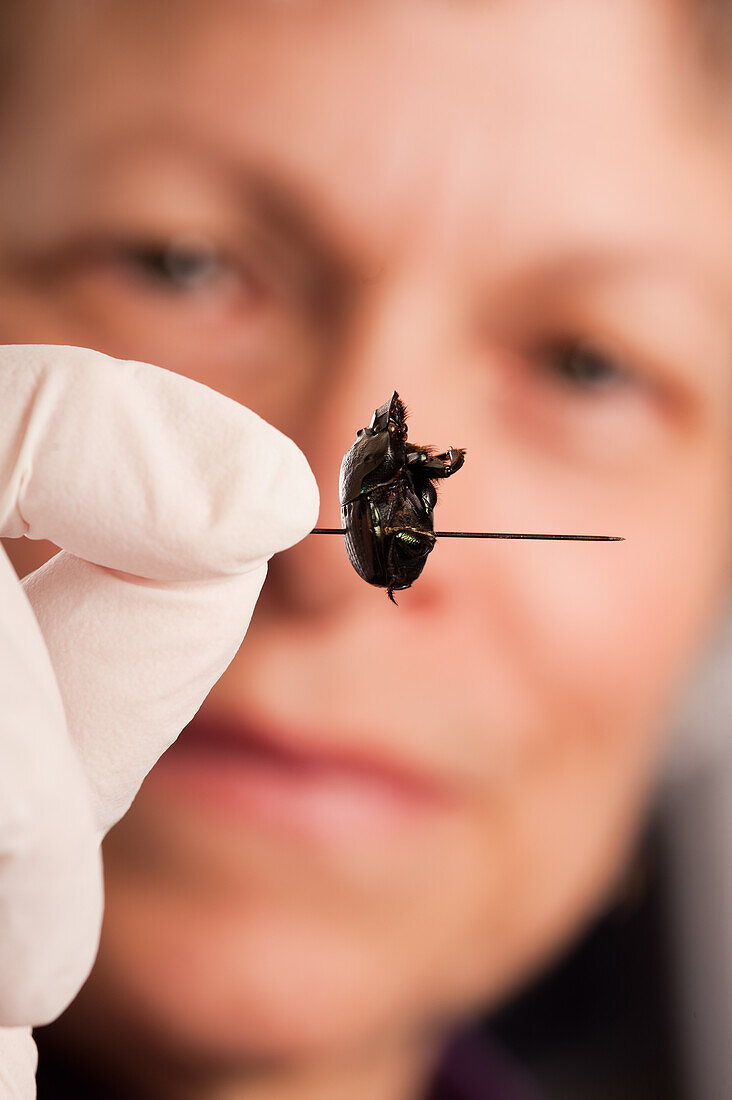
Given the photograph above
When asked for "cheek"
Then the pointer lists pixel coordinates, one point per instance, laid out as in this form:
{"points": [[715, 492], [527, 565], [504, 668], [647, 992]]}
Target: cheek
{"points": [[579, 650], [594, 635], [584, 649], [610, 630]]}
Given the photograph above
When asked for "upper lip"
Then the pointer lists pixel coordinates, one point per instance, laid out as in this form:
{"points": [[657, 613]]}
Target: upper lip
{"points": [[298, 754]]}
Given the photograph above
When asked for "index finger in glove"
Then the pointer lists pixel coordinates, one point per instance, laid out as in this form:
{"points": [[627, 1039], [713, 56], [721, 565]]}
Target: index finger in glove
{"points": [[141, 470], [170, 498]]}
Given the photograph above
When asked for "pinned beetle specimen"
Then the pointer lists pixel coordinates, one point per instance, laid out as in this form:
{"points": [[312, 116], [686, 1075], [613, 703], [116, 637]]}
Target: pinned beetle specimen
{"points": [[388, 500]]}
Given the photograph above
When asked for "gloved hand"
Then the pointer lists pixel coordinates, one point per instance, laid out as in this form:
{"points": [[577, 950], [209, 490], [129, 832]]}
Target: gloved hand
{"points": [[168, 500]]}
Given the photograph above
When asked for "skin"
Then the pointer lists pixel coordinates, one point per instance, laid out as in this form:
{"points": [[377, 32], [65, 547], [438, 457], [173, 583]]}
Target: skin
{"points": [[449, 199]]}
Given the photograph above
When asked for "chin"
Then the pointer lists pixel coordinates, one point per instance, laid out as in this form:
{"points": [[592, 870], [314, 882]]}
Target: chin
{"points": [[226, 942], [206, 984], [232, 940]]}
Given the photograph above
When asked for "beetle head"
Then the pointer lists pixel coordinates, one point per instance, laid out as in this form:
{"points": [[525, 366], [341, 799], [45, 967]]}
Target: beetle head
{"points": [[390, 417]]}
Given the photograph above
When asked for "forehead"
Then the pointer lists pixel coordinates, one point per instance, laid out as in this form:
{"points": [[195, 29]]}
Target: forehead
{"points": [[538, 118]]}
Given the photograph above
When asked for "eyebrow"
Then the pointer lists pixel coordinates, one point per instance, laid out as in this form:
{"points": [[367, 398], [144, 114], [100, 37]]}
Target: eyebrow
{"points": [[282, 212], [605, 262]]}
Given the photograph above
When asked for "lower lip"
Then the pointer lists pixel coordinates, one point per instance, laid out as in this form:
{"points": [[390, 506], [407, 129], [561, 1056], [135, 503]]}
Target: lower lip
{"points": [[309, 797]]}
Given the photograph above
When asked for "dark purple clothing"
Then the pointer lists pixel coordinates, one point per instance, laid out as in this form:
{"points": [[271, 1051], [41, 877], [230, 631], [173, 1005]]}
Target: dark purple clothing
{"points": [[474, 1069]]}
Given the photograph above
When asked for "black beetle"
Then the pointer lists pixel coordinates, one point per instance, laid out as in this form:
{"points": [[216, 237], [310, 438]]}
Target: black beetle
{"points": [[388, 499]]}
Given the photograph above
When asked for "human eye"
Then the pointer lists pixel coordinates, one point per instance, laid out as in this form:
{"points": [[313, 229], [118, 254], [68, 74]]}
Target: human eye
{"points": [[581, 396], [178, 266], [599, 376], [179, 297], [584, 368], [183, 270]]}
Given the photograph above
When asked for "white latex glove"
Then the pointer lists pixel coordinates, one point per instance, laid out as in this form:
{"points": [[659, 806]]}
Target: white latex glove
{"points": [[168, 500]]}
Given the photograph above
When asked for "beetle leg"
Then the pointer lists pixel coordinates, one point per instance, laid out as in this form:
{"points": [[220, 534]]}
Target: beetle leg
{"points": [[428, 494], [412, 541], [446, 464]]}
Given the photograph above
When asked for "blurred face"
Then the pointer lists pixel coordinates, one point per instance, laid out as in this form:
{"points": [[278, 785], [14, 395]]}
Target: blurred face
{"points": [[517, 215]]}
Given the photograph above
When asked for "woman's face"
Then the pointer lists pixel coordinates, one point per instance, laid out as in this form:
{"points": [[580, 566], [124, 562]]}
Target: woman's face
{"points": [[517, 215]]}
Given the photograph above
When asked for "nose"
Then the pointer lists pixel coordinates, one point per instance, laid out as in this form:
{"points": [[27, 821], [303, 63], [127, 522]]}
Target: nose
{"points": [[399, 339]]}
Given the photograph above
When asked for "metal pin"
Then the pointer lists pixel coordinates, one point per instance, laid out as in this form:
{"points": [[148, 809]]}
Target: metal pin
{"points": [[486, 535]]}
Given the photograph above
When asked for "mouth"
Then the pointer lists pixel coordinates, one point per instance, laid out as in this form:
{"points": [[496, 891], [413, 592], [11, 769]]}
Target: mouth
{"points": [[278, 780]]}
